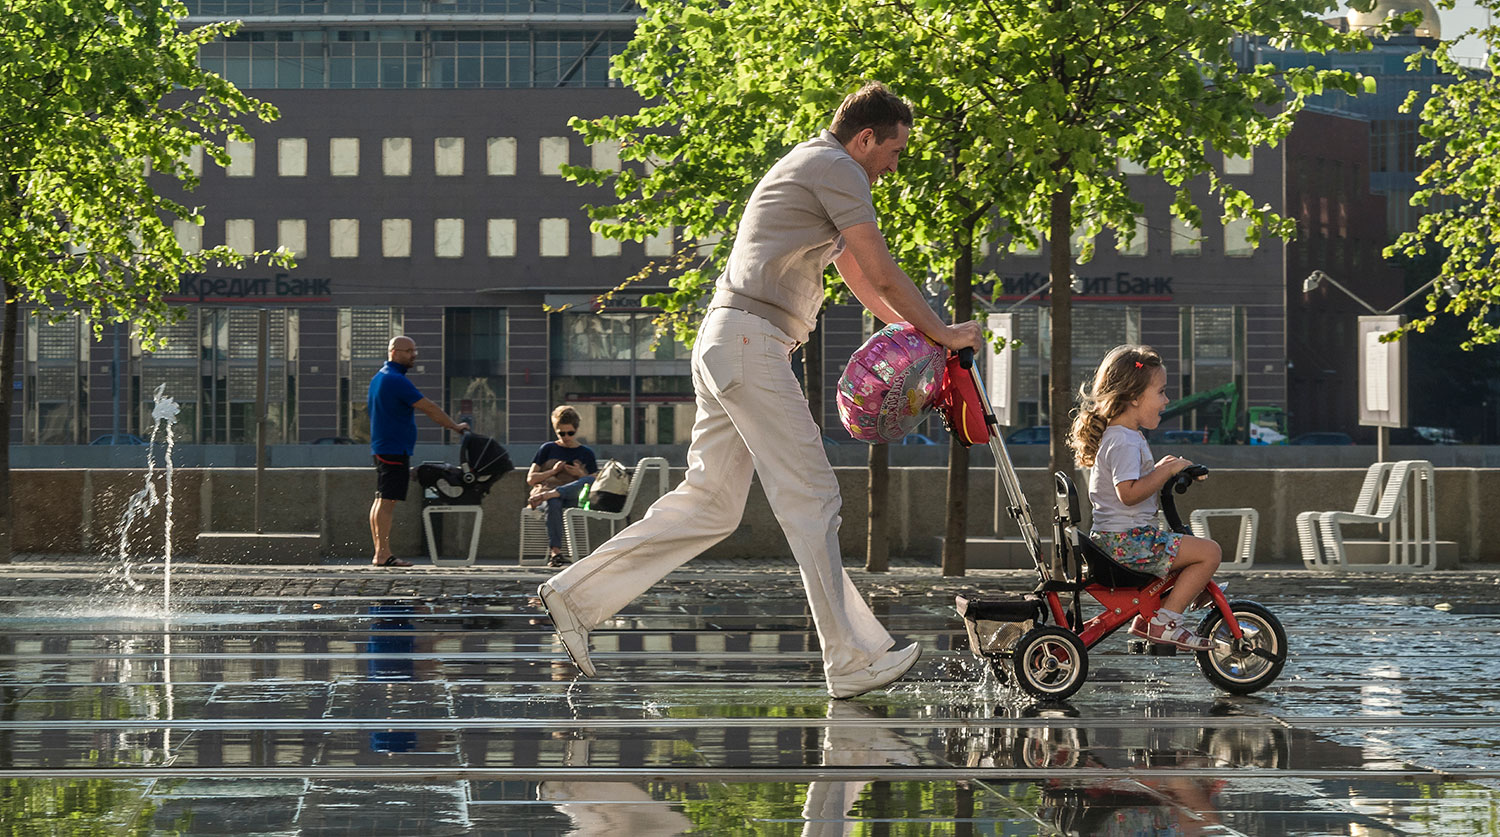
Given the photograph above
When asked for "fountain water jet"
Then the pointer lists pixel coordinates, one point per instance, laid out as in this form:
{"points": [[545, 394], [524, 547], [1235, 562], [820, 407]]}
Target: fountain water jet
{"points": [[164, 413]]}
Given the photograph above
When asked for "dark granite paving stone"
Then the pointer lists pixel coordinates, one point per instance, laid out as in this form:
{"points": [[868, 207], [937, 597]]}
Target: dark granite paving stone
{"points": [[336, 700]]}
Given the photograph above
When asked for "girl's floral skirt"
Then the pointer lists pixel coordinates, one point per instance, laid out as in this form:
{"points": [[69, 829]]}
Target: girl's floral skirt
{"points": [[1147, 549]]}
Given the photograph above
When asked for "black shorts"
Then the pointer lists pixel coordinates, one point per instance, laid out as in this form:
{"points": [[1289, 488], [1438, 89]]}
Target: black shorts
{"points": [[392, 475]]}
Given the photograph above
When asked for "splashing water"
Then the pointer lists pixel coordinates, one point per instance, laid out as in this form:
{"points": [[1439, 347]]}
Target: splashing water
{"points": [[164, 414]]}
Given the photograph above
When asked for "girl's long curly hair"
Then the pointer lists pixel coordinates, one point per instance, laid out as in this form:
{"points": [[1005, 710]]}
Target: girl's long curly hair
{"points": [[1123, 376]]}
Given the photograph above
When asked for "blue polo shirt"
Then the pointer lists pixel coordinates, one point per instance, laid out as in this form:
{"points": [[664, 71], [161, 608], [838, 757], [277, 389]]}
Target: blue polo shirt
{"points": [[393, 423]]}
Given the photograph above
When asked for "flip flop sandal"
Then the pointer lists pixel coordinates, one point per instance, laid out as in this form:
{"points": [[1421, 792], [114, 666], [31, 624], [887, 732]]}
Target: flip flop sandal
{"points": [[393, 561]]}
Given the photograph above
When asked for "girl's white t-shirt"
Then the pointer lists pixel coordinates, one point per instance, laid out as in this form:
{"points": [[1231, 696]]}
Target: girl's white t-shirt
{"points": [[1123, 455]]}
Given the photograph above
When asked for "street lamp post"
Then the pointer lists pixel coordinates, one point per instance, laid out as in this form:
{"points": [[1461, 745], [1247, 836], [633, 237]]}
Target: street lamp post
{"points": [[1317, 277]]}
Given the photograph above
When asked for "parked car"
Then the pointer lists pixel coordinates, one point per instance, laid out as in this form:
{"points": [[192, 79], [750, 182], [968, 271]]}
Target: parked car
{"points": [[1183, 437], [1038, 435], [916, 439], [119, 439], [334, 440], [1322, 437]]}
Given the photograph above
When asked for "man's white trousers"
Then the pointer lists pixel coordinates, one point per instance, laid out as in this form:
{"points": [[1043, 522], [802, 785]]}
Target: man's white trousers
{"points": [[752, 418]]}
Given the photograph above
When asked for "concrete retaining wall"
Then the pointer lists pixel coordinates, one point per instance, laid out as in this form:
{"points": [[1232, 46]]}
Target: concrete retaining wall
{"points": [[80, 511]]}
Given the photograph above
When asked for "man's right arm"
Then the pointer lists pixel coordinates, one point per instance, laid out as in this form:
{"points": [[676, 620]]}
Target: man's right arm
{"points": [[879, 283]]}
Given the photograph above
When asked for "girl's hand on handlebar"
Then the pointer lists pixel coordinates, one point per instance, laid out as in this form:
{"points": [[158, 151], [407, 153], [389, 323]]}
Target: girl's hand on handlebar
{"points": [[968, 335], [1174, 464]]}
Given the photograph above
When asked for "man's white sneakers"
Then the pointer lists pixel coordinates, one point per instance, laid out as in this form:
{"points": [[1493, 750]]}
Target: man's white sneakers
{"points": [[891, 666], [575, 639]]}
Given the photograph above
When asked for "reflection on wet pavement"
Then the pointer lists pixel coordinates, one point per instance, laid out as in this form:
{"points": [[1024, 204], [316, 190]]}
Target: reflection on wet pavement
{"points": [[333, 701]]}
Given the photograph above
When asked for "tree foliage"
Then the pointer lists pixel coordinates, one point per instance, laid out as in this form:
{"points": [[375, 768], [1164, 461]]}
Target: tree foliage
{"points": [[1460, 187], [1013, 98], [1023, 110], [95, 96]]}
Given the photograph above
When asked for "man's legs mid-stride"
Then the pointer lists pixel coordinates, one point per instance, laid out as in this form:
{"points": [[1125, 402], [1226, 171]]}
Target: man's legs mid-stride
{"points": [[751, 418]]}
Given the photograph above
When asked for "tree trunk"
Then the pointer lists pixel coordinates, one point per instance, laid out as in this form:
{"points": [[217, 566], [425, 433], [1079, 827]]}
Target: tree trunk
{"points": [[877, 537], [812, 372], [956, 534], [1060, 404], [7, 405]]}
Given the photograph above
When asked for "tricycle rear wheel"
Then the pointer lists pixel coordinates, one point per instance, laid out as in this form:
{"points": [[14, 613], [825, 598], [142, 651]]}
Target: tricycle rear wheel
{"points": [[1050, 663]]}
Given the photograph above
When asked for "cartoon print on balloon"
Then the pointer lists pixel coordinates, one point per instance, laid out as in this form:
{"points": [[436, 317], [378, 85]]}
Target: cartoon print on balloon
{"points": [[890, 384]]}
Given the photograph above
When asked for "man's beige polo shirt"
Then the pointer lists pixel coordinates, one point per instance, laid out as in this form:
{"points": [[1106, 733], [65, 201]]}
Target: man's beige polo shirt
{"points": [[790, 234]]}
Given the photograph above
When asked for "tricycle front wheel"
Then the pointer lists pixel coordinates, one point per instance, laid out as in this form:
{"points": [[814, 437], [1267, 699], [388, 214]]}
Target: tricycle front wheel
{"points": [[1250, 663]]}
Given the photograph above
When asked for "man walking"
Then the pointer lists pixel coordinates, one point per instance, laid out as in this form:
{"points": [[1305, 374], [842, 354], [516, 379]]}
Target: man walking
{"points": [[811, 209], [392, 401]]}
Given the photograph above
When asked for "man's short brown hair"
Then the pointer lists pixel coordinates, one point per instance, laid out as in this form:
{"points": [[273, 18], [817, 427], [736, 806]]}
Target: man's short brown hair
{"points": [[872, 106]]}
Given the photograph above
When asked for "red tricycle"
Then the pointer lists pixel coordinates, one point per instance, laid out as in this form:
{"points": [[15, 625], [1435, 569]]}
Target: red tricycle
{"points": [[1041, 639]]}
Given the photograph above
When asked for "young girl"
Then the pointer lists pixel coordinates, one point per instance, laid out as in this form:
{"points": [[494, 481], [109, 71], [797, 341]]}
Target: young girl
{"points": [[1128, 394]]}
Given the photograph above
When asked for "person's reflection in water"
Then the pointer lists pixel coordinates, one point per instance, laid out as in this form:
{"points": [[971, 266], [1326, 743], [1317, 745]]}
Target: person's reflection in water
{"points": [[391, 651], [1163, 806], [826, 811], [609, 808]]}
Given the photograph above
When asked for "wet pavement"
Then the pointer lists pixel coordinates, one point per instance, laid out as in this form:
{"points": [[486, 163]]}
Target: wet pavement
{"points": [[348, 700]]}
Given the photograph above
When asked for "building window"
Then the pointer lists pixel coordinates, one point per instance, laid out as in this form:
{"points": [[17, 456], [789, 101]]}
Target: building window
{"points": [[660, 244], [448, 238], [604, 246], [241, 158], [56, 397], [239, 235], [1237, 238], [412, 58], [174, 367], [1238, 165], [448, 156], [291, 234], [1020, 246], [285, 59], [364, 337], [343, 238], [189, 235], [194, 160], [230, 345], [500, 156], [628, 386], [474, 356], [364, 58], [395, 156], [291, 157], [395, 238], [605, 155], [1212, 353], [554, 237], [1137, 245], [500, 237], [1186, 239], [553, 155], [1081, 239], [1381, 141], [343, 156]]}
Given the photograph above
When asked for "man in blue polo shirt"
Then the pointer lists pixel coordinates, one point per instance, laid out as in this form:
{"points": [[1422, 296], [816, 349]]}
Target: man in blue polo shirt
{"points": [[392, 404]]}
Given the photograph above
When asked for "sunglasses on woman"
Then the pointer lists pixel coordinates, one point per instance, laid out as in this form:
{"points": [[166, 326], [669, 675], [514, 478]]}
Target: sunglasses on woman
{"points": [[566, 432]]}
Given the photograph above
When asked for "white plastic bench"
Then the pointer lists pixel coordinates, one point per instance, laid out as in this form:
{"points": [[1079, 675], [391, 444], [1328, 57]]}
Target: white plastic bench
{"points": [[1397, 496], [1244, 553], [576, 520]]}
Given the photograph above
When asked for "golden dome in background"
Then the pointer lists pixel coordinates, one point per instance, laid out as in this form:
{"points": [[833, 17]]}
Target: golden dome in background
{"points": [[1428, 28]]}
